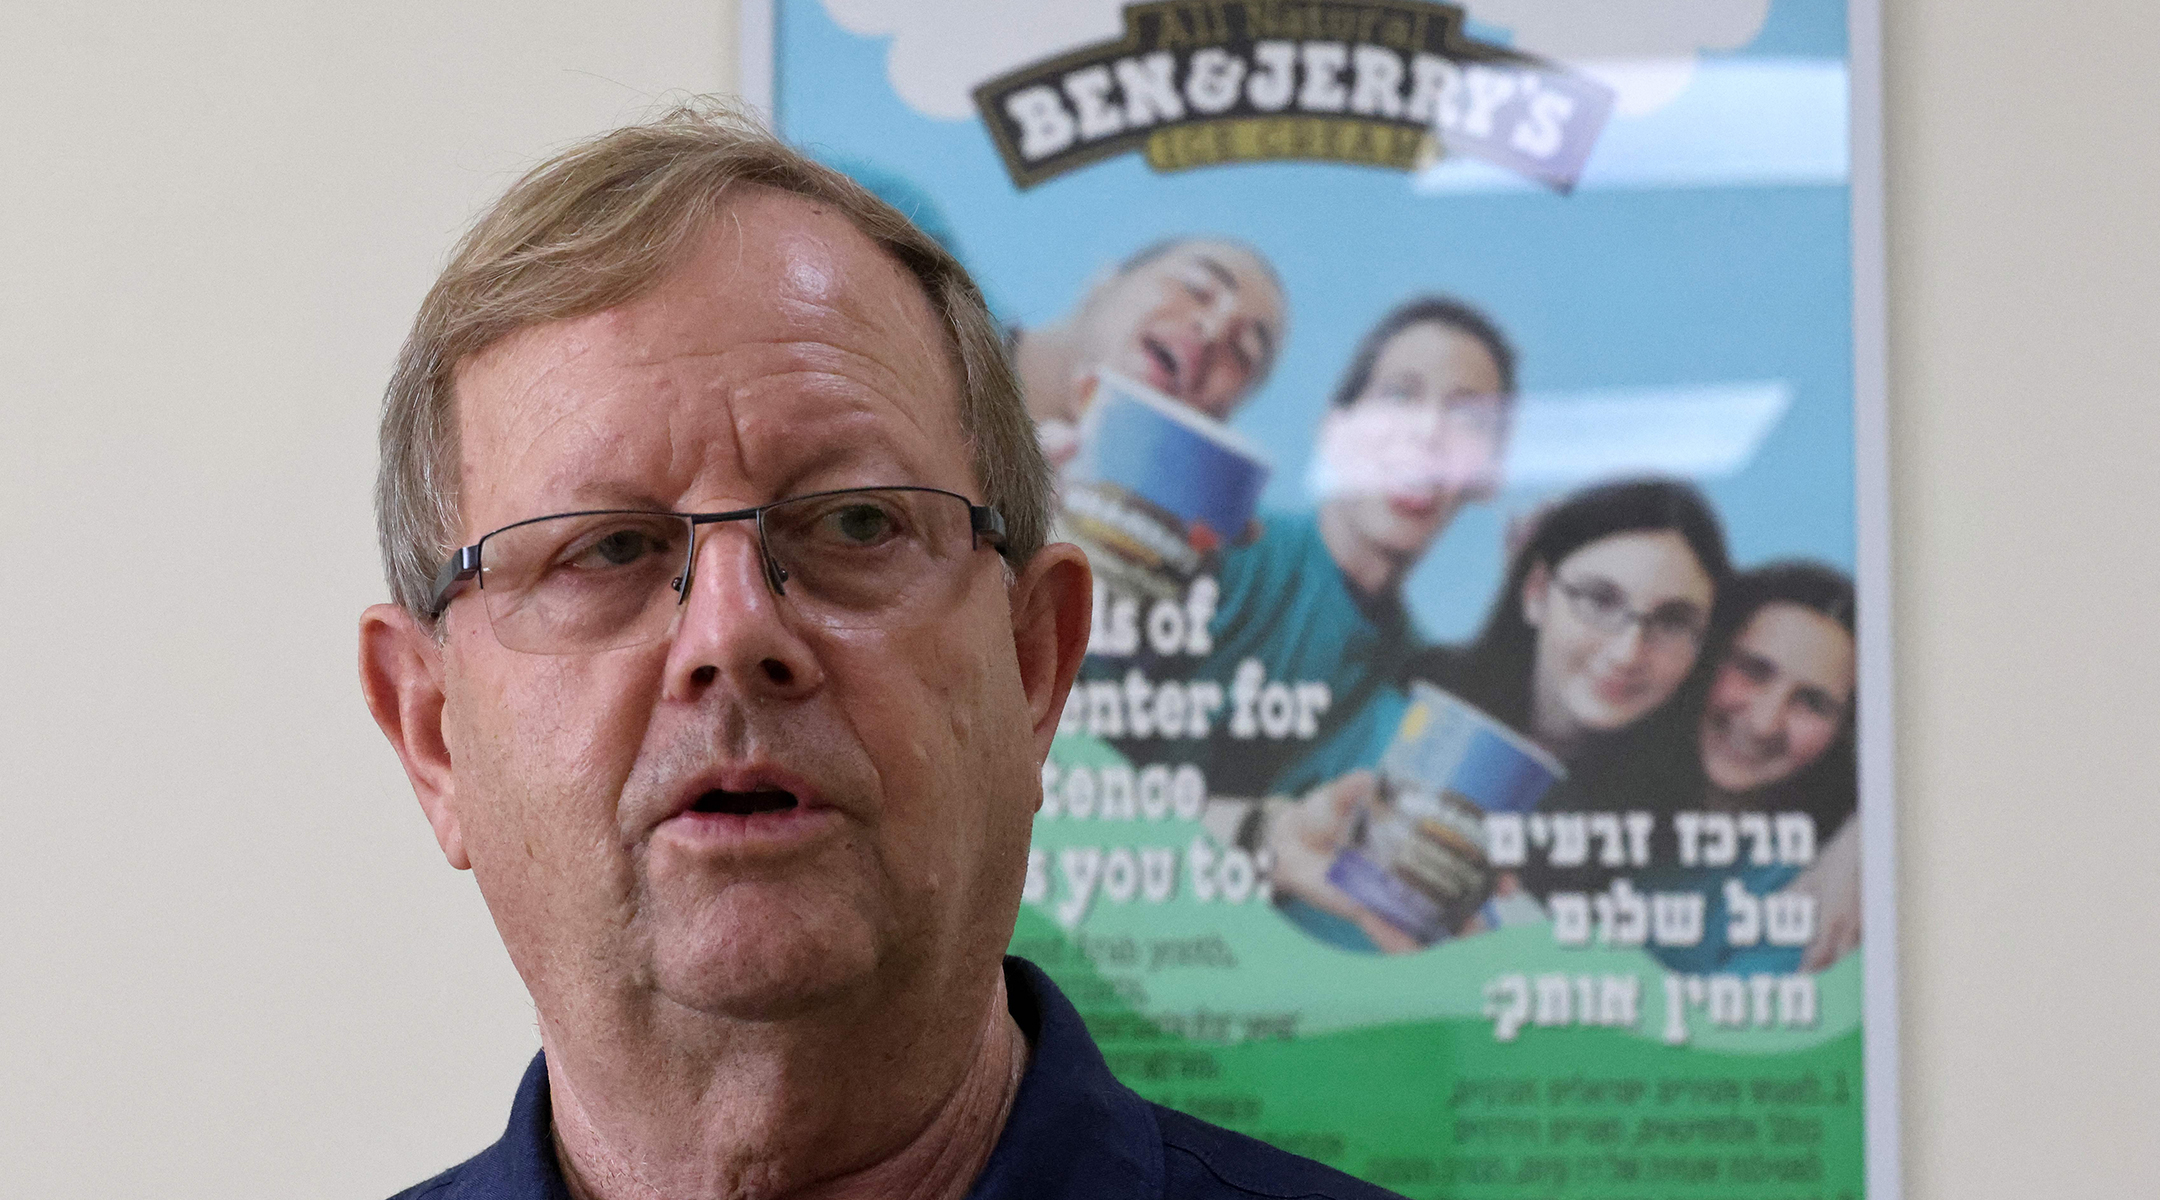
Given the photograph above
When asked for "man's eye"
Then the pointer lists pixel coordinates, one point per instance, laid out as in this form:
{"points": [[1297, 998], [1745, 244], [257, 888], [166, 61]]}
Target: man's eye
{"points": [[861, 524], [620, 548]]}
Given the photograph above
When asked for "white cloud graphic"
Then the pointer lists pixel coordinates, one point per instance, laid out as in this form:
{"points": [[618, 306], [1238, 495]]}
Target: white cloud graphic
{"points": [[1644, 49], [942, 48]]}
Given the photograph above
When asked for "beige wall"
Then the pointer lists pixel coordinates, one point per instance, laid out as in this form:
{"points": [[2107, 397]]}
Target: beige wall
{"points": [[2024, 182], [231, 962]]}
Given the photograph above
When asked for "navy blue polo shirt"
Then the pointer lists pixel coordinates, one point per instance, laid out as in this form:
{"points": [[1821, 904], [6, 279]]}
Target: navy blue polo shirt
{"points": [[1074, 1131]]}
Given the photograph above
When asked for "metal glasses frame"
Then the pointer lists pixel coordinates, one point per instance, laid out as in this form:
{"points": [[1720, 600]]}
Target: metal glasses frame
{"points": [[985, 524], [1578, 593]]}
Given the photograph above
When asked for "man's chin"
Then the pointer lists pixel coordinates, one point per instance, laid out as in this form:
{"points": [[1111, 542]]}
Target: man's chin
{"points": [[766, 958]]}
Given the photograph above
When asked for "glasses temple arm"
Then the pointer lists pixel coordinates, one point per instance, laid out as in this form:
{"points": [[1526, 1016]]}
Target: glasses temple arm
{"points": [[462, 566], [988, 525]]}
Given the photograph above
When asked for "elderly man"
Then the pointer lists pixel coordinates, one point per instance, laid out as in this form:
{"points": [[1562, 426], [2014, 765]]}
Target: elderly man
{"points": [[725, 654]]}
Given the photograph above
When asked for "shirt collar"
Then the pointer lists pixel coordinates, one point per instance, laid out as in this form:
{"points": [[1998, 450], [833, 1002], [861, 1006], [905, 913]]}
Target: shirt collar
{"points": [[1074, 1130], [522, 1165]]}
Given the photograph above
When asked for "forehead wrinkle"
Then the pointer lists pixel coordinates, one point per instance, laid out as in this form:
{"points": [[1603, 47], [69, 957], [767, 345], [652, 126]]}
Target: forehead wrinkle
{"points": [[854, 371], [783, 433], [691, 454], [875, 341], [906, 321], [517, 445], [848, 336], [589, 406]]}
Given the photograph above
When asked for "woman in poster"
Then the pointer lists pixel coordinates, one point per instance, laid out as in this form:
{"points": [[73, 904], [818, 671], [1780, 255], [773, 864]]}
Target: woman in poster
{"points": [[1776, 724], [1601, 619], [1774, 735]]}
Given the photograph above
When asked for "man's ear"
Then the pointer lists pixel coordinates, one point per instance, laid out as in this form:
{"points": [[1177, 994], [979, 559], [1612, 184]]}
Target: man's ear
{"points": [[401, 675], [1052, 601], [1536, 592]]}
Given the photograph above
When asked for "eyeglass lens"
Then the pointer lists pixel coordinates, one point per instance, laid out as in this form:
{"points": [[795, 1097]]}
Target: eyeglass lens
{"points": [[1601, 604], [873, 558]]}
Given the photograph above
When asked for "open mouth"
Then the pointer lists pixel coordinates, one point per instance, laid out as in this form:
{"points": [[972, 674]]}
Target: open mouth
{"points": [[1165, 362], [1416, 505], [743, 804]]}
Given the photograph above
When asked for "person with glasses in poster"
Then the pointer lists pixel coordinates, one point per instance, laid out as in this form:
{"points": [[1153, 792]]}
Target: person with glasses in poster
{"points": [[725, 651], [1599, 621]]}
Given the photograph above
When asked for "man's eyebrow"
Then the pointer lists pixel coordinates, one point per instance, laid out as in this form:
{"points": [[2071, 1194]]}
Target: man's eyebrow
{"points": [[607, 495], [1215, 267], [796, 468]]}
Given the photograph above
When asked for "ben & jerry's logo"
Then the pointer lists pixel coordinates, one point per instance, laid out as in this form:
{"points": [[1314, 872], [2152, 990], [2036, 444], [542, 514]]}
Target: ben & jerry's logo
{"points": [[1384, 83]]}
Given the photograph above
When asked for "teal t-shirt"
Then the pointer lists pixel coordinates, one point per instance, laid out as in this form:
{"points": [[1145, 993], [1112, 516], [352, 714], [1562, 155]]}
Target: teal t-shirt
{"points": [[1285, 605]]}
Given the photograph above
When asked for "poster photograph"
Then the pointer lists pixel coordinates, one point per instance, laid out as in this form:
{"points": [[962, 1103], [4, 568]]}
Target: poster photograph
{"points": [[1472, 415]]}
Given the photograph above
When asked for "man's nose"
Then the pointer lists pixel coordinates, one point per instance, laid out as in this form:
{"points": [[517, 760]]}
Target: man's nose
{"points": [[733, 630]]}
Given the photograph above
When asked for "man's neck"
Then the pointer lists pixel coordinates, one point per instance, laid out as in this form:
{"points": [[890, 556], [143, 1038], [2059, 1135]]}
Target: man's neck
{"points": [[817, 1117], [1371, 570]]}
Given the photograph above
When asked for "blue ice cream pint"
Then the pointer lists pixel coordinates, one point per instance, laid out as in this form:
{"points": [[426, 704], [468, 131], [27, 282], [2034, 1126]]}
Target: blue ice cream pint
{"points": [[1158, 485], [1417, 859]]}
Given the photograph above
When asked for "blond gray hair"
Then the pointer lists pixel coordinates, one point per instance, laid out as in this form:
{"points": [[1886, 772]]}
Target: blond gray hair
{"points": [[599, 225]]}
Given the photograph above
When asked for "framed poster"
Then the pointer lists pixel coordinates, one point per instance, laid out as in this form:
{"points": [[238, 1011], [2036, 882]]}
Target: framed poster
{"points": [[1479, 779]]}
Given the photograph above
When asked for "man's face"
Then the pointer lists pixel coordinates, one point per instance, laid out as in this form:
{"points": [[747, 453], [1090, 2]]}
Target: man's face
{"points": [[892, 771], [1200, 322], [1421, 439]]}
